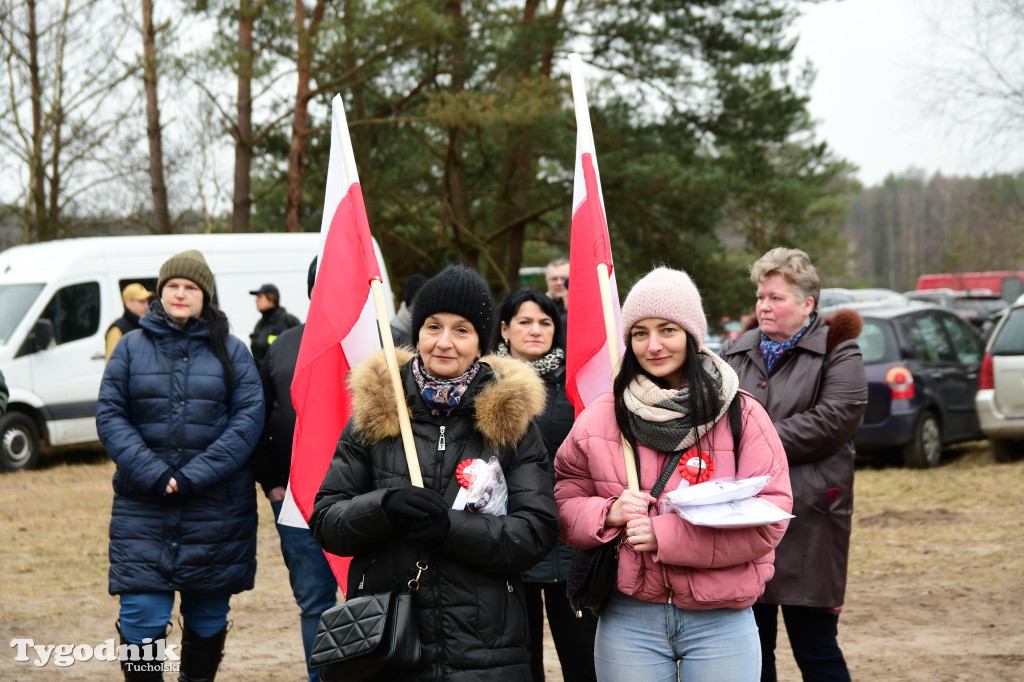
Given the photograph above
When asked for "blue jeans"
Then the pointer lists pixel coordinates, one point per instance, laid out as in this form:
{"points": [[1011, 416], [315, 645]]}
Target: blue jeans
{"points": [[313, 583], [638, 640], [147, 614]]}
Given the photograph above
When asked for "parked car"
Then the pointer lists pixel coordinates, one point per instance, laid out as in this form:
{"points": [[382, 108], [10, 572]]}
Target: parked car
{"points": [[831, 298], [978, 306], [1000, 398], [922, 365]]}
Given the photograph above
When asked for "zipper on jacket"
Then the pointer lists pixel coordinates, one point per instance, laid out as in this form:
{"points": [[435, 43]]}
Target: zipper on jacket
{"points": [[362, 578], [440, 441], [509, 584], [664, 575]]}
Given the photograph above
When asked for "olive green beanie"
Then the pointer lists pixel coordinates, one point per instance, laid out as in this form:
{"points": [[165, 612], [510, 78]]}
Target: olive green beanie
{"points": [[192, 266]]}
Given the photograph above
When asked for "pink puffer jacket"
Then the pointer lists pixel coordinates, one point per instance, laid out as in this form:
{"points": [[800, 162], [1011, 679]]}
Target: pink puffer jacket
{"points": [[694, 567]]}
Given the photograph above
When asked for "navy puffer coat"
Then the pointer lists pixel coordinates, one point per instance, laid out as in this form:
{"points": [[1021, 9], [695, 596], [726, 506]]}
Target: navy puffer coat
{"points": [[164, 409]]}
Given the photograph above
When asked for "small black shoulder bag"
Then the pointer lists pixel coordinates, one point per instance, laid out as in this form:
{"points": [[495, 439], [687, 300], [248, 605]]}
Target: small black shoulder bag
{"points": [[594, 572], [368, 635]]}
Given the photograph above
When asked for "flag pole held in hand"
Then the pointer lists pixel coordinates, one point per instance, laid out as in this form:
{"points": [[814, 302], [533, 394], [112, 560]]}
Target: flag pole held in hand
{"points": [[411, 459], [590, 255]]}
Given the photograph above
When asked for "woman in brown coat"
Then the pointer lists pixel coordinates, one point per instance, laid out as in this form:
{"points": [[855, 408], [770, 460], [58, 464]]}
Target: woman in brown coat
{"points": [[809, 375]]}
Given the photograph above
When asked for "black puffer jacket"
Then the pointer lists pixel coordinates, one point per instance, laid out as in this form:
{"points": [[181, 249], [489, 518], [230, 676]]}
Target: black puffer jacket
{"points": [[470, 608], [554, 425], [272, 459], [271, 324]]}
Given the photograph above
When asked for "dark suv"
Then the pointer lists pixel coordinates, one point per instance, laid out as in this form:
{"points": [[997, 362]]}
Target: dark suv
{"points": [[922, 366]]}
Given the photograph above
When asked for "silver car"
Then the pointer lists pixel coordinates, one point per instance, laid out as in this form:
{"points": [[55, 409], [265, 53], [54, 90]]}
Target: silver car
{"points": [[1000, 397]]}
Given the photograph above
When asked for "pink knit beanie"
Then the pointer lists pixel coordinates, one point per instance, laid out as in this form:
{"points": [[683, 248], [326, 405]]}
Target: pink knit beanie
{"points": [[670, 295]]}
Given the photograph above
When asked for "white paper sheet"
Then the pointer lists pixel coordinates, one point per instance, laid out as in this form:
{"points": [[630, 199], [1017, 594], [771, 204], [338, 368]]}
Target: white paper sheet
{"points": [[752, 511], [725, 503]]}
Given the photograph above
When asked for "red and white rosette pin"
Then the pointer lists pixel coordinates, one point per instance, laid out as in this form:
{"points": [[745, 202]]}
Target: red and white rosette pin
{"points": [[696, 467], [465, 478]]}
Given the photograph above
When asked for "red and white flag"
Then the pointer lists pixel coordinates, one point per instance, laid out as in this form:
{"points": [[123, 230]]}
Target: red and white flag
{"points": [[589, 370], [341, 327]]}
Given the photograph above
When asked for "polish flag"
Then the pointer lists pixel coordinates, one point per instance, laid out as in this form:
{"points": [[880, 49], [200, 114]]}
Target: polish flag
{"points": [[589, 370], [341, 327]]}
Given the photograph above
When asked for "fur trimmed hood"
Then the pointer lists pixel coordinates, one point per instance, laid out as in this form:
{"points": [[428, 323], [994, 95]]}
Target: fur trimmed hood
{"points": [[504, 408]]}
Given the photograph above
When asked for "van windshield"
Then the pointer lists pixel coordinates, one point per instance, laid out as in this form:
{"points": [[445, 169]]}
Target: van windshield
{"points": [[15, 300]]}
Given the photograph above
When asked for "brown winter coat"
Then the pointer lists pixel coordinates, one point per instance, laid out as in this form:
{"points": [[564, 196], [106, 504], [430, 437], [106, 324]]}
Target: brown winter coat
{"points": [[816, 415]]}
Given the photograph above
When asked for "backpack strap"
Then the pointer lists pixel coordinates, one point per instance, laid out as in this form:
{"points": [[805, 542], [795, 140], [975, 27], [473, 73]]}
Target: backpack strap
{"points": [[736, 427]]}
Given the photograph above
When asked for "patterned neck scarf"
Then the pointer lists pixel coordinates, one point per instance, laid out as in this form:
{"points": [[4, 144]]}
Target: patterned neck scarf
{"points": [[548, 362], [658, 415], [442, 395], [771, 351]]}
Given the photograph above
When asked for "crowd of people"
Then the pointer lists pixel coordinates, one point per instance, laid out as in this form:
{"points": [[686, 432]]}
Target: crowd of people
{"points": [[193, 420]]}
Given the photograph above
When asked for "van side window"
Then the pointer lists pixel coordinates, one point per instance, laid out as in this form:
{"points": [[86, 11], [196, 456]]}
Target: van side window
{"points": [[74, 311]]}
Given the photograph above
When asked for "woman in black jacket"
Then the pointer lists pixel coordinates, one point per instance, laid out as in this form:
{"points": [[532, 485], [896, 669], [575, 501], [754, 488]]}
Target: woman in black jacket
{"points": [[470, 606], [531, 330]]}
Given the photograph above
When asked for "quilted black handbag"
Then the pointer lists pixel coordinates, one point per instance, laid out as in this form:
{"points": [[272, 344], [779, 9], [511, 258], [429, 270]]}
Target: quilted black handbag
{"points": [[368, 636], [594, 572]]}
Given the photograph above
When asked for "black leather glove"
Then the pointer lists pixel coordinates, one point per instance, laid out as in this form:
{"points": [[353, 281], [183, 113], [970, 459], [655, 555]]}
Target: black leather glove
{"points": [[431, 531], [408, 505]]}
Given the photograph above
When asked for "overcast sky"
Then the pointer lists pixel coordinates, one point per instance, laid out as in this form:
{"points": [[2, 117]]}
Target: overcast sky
{"points": [[871, 57]]}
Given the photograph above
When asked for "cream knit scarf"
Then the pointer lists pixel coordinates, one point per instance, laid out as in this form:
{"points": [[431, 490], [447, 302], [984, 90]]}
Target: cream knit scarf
{"points": [[658, 415]]}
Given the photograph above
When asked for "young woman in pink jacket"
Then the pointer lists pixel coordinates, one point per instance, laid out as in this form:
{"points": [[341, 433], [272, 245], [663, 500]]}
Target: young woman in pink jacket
{"points": [[681, 607]]}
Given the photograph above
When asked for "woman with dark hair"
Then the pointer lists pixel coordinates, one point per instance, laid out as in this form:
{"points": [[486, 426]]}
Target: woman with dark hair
{"points": [[463, 406], [681, 604], [180, 410], [530, 330]]}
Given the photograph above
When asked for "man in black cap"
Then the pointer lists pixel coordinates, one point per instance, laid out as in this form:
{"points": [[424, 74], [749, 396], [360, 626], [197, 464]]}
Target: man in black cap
{"points": [[274, 321], [313, 584]]}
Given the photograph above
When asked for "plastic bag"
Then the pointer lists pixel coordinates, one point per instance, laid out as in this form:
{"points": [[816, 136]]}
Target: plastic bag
{"points": [[484, 490]]}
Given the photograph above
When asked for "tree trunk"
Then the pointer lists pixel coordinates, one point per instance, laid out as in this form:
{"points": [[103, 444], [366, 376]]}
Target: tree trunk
{"points": [[243, 126], [156, 155], [300, 120], [362, 142], [456, 192], [37, 182], [518, 166]]}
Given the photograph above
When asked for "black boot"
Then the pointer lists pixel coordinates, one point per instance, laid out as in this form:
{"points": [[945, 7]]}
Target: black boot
{"points": [[139, 670], [200, 657]]}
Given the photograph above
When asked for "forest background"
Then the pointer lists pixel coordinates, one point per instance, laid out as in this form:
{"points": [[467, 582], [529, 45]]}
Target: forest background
{"points": [[157, 116]]}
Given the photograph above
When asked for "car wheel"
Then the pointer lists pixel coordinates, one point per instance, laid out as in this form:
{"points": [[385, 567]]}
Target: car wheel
{"points": [[19, 442], [1004, 450], [924, 451]]}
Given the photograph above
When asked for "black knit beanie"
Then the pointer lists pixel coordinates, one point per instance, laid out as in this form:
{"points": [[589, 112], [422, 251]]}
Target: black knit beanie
{"points": [[459, 290], [192, 266]]}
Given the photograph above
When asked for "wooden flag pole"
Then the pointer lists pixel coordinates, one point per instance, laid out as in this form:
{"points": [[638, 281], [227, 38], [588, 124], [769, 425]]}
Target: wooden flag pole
{"points": [[411, 459], [632, 480]]}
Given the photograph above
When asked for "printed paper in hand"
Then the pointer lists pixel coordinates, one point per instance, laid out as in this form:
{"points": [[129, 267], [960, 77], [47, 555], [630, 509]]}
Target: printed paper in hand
{"points": [[725, 503]]}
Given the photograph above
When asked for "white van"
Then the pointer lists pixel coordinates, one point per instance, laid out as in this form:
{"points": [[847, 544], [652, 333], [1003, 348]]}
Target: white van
{"points": [[58, 298]]}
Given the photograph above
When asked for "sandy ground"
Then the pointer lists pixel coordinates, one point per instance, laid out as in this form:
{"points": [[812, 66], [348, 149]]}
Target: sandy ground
{"points": [[935, 588]]}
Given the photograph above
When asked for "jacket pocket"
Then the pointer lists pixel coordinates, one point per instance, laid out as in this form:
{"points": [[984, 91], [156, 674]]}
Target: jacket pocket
{"points": [[811, 495], [724, 587], [501, 611]]}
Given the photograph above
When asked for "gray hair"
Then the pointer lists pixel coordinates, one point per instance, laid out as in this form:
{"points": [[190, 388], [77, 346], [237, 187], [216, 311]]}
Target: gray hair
{"points": [[795, 267]]}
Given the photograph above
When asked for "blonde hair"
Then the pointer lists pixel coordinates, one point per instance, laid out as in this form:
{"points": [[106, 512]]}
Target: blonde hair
{"points": [[795, 267]]}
